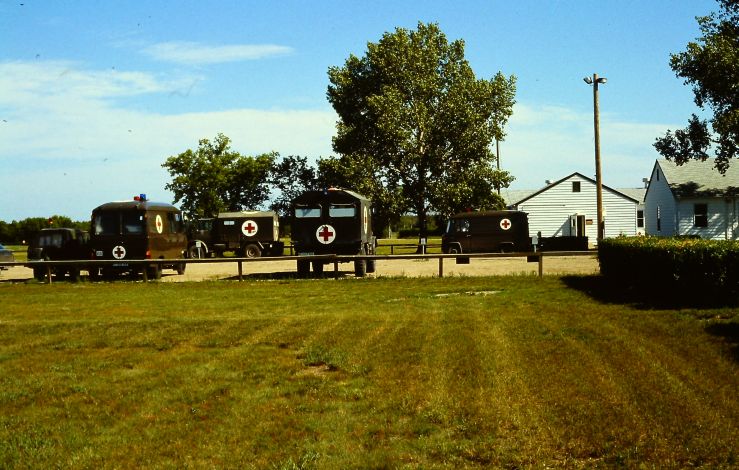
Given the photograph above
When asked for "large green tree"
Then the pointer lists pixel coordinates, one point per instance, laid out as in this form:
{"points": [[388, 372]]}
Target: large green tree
{"points": [[289, 177], [416, 124], [711, 66], [214, 178]]}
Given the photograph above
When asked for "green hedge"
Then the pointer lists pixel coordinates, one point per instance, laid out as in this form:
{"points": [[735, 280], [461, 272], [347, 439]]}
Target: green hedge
{"points": [[683, 269]]}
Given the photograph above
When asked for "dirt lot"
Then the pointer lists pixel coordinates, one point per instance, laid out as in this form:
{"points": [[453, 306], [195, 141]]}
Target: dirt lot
{"points": [[408, 268]]}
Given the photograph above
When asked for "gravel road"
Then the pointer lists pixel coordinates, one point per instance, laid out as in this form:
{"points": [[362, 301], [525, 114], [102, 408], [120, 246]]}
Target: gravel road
{"points": [[407, 268]]}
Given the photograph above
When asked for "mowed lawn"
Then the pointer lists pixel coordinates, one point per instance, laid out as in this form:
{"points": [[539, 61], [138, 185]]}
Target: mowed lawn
{"points": [[399, 373]]}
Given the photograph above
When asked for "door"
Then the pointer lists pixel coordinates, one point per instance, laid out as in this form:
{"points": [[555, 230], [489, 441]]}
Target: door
{"points": [[577, 225]]}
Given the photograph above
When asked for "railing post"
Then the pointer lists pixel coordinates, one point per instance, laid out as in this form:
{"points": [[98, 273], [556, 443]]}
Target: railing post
{"points": [[48, 274], [336, 269], [541, 265], [240, 272], [441, 267]]}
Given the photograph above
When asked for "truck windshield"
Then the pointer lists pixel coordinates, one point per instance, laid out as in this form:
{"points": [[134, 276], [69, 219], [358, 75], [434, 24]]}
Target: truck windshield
{"points": [[342, 210], [133, 223], [50, 240], [107, 223], [302, 212]]}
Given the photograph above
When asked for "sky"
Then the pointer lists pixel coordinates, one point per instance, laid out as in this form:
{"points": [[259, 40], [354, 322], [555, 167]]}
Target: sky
{"points": [[96, 95]]}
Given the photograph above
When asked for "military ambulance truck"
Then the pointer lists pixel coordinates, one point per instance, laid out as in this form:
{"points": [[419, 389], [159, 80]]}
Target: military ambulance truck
{"points": [[487, 232], [333, 221], [137, 230], [59, 244], [249, 234]]}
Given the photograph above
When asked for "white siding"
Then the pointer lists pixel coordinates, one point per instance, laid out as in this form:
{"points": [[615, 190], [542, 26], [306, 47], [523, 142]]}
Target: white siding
{"points": [[550, 211], [659, 200], [678, 216], [720, 213]]}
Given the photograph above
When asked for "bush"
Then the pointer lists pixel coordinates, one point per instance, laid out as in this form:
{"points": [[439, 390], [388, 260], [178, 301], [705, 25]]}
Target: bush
{"points": [[702, 271]]}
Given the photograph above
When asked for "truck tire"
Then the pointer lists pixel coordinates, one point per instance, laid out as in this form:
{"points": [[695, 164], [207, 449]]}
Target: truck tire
{"points": [[360, 268], [74, 274], [181, 268], [154, 272], [195, 252], [252, 251], [318, 268], [303, 268]]}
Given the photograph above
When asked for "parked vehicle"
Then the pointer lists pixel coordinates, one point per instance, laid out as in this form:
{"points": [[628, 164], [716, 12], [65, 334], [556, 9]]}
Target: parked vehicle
{"points": [[248, 234], [487, 232], [333, 221], [6, 255], [59, 244], [137, 230]]}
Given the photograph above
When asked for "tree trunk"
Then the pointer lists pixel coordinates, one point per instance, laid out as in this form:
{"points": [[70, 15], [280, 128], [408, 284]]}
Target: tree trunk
{"points": [[422, 231]]}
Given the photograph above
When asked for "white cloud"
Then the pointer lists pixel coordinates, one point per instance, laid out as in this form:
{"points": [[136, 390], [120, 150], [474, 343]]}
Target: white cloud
{"points": [[74, 144], [191, 53], [551, 142]]}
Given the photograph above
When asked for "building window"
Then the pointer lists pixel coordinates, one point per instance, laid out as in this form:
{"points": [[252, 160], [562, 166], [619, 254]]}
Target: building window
{"points": [[700, 215], [575, 186], [640, 218]]}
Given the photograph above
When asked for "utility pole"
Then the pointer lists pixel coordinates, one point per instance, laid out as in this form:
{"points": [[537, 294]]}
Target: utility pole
{"points": [[595, 81]]}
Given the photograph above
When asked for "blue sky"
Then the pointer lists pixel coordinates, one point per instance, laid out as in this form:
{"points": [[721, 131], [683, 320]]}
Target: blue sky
{"points": [[95, 95]]}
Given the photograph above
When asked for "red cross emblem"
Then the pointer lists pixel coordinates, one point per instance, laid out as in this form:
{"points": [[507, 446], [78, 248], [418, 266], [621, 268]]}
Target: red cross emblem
{"points": [[505, 224], [249, 228], [119, 252], [325, 234]]}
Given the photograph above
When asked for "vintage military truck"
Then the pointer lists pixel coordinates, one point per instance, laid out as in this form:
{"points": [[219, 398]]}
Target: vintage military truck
{"points": [[137, 230], [333, 221], [487, 232], [249, 234], [59, 244]]}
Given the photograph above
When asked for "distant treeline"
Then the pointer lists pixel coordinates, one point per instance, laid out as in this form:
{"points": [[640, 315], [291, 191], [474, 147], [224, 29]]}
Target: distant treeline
{"points": [[21, 231]]}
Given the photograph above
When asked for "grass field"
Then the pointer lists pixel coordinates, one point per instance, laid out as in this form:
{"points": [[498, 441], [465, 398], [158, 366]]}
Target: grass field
{"points": [[375, 373]]}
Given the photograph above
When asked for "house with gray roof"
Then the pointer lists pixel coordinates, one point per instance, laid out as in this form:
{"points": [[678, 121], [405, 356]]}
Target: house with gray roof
{"points": [[693, 199], [567, 208]]}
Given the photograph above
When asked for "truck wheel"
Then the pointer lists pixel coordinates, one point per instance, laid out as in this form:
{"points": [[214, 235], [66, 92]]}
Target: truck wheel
{"points": [[454, 250], [371, 265], [39, 274], [303, 268], [74, 274], [195, 252], [318, 268], [360, 268], [252, 251], [154, 272], [181, 268]]}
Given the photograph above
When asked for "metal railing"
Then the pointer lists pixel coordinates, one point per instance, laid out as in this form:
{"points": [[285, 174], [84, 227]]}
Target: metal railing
{"points": [[50, 267]]}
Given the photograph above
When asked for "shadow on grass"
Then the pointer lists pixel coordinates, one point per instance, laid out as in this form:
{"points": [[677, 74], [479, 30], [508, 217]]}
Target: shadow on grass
{"points": [[729, 332], [282, 275], [645, 297]]}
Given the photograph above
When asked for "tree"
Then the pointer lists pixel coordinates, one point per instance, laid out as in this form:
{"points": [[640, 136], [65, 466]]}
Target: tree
{"points": [[214, 178], [416, 125], [711, 66], [289, 178]]}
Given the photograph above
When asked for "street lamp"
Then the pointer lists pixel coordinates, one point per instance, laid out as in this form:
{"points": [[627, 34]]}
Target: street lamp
{"points": [[595, 81]]}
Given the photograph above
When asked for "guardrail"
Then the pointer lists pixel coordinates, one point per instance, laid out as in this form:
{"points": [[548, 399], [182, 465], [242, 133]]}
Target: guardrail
{"points": [[537, 257]]}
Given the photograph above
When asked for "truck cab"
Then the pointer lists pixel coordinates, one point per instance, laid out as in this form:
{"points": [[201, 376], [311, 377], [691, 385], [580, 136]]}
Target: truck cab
{"points": [[332, 221], [487, 232], [59, 244], [137, 230]]}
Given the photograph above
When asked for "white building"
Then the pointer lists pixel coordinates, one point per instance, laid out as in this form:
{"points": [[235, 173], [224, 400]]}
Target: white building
{"points": [[693, 199], [568, 207]]}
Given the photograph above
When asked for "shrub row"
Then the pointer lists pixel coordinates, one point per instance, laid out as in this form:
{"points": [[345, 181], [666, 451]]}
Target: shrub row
{"points": [[700, 271]]}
